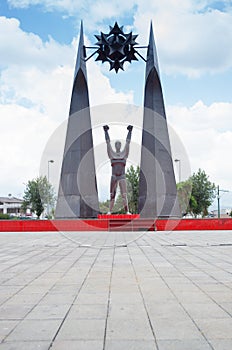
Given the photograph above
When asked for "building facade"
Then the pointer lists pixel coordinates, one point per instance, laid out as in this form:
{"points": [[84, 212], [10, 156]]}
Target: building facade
{"points": [[10, 205]]}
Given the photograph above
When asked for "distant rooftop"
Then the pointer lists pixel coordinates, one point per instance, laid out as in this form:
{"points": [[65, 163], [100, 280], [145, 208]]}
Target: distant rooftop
{"points": [[10, 200]]}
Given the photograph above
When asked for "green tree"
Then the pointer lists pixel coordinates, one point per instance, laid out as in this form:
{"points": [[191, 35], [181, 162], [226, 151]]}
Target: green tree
{"points": [[186, 199], [118, 205], [132, 176], [192, 207], [104, 206], [196, 194], [38, 195], [184, 191], [203, 191]]}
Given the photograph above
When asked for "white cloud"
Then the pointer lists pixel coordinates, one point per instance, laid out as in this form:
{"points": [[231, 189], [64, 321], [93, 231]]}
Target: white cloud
{"points": [[27, 49], [93, 12], [206, 132], [47, 92], [191, 40], [23, 134], [41, 73], [101, 91]]}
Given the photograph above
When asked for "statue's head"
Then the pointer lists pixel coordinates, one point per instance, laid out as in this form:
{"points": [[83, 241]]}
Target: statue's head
{"points": [[118, 146]]}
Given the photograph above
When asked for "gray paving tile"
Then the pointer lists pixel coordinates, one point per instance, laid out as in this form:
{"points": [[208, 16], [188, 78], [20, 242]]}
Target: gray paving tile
{"points": [[127, 311], [6, 327], [175, 329], [220, 328], [209, 310], [84, 329], [25, 299], [227, 307], [35, 330], [197, 297], [92, 298], [58, 299], [221, 344], [130, 345], [9, 311], [48, 312], [222, 296], [129, 329], [125, 297], [78, 345], [172, 310], [184, 344], [31, 345], [89, 311]]}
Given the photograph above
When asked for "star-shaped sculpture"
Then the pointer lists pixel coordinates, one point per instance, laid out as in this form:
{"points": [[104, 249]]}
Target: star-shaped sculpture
{"points": [[116, 47]]}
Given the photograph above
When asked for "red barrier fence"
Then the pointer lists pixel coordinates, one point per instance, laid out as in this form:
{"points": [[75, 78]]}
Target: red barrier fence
{"points": [[52, 225], [114, 224], [194, 224]]}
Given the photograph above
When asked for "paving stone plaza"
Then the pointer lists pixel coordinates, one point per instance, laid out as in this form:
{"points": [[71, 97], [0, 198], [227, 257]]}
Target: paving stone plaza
{"points": [[164, 290]]}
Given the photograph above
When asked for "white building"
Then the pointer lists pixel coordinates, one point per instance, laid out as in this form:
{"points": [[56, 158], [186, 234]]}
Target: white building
{"points": [[224, 213], [10, 205]]}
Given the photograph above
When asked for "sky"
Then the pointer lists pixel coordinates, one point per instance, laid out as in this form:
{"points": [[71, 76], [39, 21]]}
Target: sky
{"points": [[38, 46]]}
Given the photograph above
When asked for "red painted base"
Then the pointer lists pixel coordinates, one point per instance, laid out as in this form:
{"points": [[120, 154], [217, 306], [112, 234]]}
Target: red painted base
{"points": [[115, 224]]}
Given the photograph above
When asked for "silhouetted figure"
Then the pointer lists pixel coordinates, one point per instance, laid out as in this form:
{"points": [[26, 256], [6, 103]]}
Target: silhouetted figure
{"points": [[118, 162]]}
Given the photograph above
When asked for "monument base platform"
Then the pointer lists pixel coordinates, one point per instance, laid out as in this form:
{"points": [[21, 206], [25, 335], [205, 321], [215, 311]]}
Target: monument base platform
{"points": [[115, 224], [127, 222]]}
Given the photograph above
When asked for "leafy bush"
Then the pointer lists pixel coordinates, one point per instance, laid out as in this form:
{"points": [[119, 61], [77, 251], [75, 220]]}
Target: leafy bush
{"points": [[5, 216]]}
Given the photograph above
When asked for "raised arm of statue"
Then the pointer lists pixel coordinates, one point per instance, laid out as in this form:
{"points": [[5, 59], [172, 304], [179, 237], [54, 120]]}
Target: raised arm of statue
{"points": [[128, 140], [106, 128], [107, 137]]}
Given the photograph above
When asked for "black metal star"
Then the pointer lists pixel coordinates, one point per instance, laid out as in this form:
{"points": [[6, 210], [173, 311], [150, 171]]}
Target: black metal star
{"points": [[116, 47]]}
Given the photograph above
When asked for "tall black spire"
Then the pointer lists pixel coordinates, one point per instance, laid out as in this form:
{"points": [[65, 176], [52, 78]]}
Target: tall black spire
{"points": [[78, 197], [157, 187]]}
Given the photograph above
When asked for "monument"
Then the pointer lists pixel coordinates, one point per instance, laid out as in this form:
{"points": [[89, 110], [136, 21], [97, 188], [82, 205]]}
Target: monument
{"points": [[78, 195]]}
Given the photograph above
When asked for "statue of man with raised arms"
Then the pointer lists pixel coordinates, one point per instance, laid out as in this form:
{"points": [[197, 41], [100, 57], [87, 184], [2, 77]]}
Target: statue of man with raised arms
{"points": [[118, 162]]}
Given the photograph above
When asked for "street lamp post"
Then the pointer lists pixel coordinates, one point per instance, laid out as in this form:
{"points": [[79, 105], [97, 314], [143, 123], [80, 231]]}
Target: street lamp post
{"points": [[48, 209], [49, 161], [218, 199], [178, 161]]}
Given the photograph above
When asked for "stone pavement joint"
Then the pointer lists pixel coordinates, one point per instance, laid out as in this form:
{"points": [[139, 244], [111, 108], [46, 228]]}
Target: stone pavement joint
{"points": [[164, 291]]}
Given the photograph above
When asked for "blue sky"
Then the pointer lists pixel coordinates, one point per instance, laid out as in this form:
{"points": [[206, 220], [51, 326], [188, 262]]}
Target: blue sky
{"points": [[38, 42]]}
